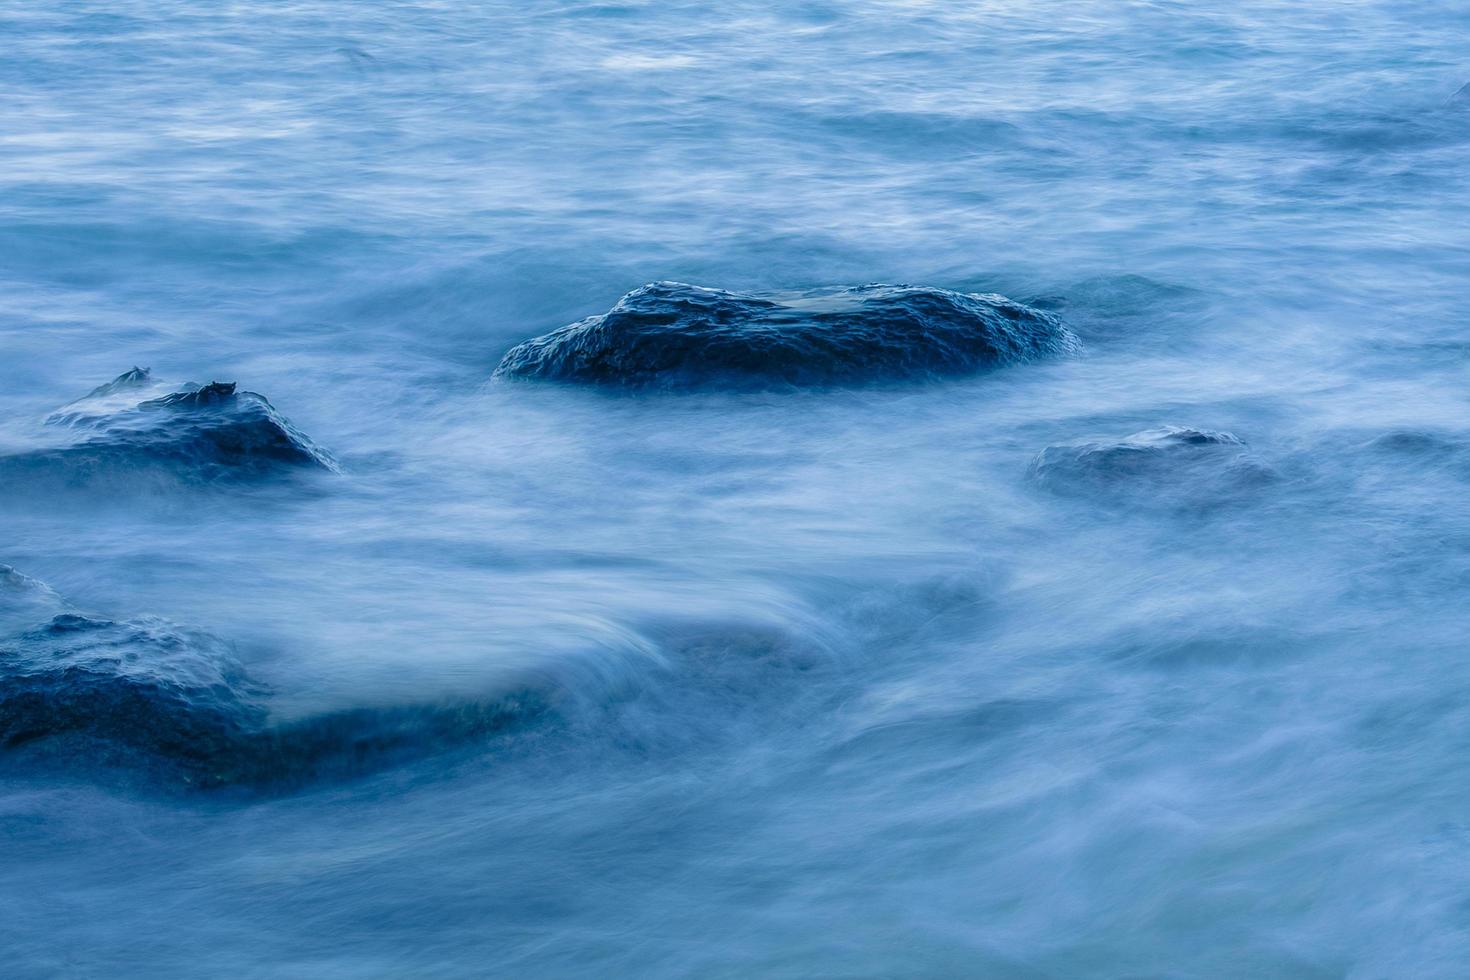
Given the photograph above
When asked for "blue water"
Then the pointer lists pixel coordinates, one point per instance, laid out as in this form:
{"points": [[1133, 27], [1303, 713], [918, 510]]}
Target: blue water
{"points": [[1146, 659]]}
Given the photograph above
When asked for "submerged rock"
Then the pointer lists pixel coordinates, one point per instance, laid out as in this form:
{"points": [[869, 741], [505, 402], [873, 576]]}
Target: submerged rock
{"points": [[142, 684], [1176, 464], [211, 432], [146, 693], [1416, 455], [82, 691], [671, 335], [107, 688], [1423, 445]]}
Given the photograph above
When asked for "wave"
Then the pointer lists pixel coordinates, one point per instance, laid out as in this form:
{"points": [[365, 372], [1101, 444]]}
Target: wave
{"points": [[672, 335], [91, 694], [24, 601]]}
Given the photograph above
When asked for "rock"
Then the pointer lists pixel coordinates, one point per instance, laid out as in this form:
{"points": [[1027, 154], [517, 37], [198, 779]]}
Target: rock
{"points": [[675, 336]]}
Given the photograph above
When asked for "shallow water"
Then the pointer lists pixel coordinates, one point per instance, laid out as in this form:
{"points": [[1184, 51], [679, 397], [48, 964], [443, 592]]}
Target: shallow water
{"points": [[820, 681]]}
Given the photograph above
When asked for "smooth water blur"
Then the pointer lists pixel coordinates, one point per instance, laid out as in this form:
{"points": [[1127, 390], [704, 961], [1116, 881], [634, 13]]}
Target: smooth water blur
{"points": [[837, 688]]}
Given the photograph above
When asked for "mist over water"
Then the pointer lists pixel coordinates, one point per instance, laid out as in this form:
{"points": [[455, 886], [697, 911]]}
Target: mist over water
{"points": [[1146, 658]]}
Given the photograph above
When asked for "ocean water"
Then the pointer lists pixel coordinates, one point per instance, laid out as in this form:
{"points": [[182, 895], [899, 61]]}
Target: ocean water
{"points": [[1143, 658]]}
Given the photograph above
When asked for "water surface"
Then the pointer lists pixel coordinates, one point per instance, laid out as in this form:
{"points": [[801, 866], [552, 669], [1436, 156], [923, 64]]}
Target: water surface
{"points": [[817, 681]]}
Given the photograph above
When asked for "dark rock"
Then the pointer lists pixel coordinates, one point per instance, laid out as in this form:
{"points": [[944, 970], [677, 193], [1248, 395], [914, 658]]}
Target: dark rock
{"points": [[196, 433], [144, 684], [671, 335]]}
